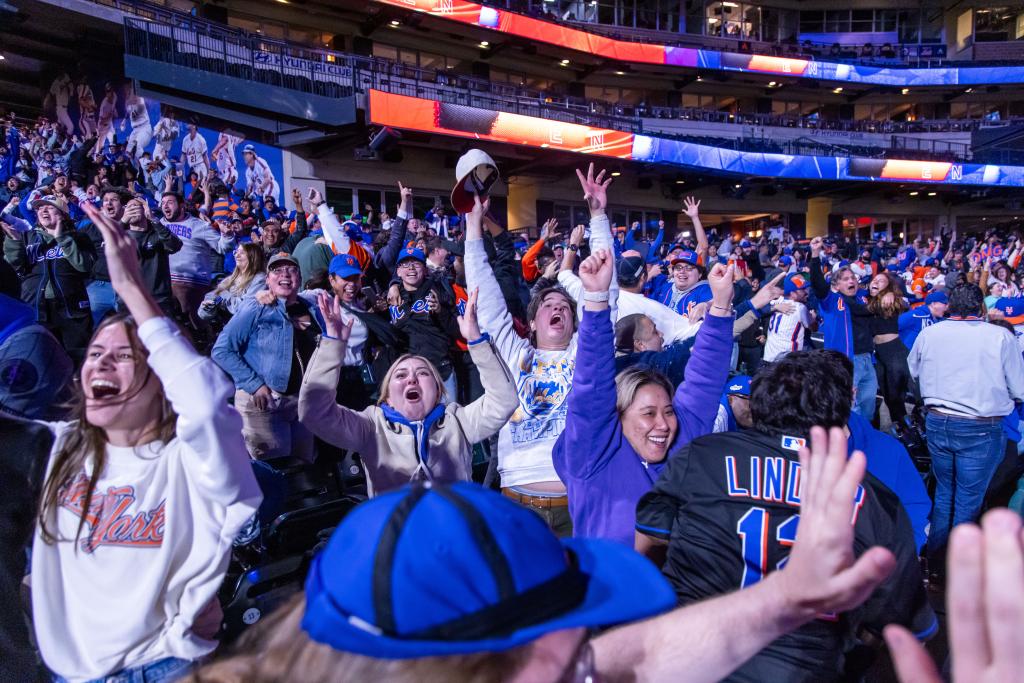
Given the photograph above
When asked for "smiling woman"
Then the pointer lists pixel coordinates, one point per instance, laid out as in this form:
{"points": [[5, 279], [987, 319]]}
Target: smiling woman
{"points": [[146, 487]]}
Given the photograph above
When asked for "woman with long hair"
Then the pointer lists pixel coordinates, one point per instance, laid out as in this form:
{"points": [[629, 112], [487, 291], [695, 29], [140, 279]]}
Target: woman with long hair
{"points": [[886, 303], [619, 430], [147, 485], [248, 277], [1002, 274], [412, 433]]}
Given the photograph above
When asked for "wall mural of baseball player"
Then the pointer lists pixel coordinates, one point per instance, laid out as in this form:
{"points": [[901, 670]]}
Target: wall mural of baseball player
{"points": [[110, 109]]}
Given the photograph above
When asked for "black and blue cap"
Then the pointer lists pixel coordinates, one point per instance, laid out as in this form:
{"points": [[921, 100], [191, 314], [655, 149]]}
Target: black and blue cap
{"points": [[446, 569]]}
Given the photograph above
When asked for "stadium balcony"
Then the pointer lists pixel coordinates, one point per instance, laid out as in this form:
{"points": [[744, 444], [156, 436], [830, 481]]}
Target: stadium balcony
{"points": [[183, 53]]}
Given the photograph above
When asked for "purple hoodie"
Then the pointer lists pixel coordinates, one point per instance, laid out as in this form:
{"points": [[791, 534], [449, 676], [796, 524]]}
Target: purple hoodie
{"points": [[604, 476]]}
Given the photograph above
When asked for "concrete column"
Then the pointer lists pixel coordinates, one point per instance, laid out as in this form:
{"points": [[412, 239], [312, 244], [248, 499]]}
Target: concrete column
{"points": [[818, 209], [299, 173], [522, 202]]}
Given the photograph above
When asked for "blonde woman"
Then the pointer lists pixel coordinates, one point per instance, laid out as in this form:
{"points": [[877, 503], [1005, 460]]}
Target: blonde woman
{"points": [[411, 434], [248, 277], [145, 489]]}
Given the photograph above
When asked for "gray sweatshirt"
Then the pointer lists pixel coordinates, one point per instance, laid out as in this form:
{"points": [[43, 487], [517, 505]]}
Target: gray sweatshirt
{"points": [[199, 240]]}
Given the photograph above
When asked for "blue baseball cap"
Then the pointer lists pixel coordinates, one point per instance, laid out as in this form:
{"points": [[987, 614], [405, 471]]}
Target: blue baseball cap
{"points": [[432, 570], [744, 243], [936, 297], [344, 265], [794, 282], [785, 260], [738, 386], [685, 256], [411, 252]]}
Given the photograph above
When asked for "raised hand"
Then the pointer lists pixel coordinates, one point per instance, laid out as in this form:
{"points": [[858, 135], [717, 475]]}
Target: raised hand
{"points": [[691, 207], [986, 607], [122, 255], [468, 325], [596, 271], [406, 202], [577, 235], [432, 304], [769, 292], [475, 218], [330, 309], [314, 196], [551, 271], [547, 231], [816, 244], [720, 279], [595, 189], [821, 574]]}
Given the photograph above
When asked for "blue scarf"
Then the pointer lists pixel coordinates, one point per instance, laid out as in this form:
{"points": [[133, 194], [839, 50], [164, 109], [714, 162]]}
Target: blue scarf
{"points": [[420, 430]]}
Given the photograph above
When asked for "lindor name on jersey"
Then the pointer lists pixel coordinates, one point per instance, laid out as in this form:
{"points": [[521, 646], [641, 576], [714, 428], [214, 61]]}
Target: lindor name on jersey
{"points": [[771, 479]]}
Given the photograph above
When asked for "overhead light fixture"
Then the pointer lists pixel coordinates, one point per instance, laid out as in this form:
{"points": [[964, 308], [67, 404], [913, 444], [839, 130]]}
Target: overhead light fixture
{"points": [[772, 84], [680, 182], [564, 62], [837, 90], [484, 43], [738, 185], [616, 174], [969, 90], [914, 193], [984, 219], [932, 194], [905, 91], [2, 58], [620, 73], [395, 22], [699, 79]]}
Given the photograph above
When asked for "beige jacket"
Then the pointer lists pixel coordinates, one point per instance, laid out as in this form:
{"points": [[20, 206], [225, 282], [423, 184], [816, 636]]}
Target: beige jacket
{"points": [[388, 449]]}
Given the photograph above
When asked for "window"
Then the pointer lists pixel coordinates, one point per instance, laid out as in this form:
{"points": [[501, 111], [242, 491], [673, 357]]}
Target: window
{"points": [[812, 22], [431, 61], [863, 21], [385, 51], [339, 199], [837, 21]]}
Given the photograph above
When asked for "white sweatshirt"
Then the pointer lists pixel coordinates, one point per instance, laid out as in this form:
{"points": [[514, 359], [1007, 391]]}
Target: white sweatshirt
{"points": [[128, 592], [543, 378]]}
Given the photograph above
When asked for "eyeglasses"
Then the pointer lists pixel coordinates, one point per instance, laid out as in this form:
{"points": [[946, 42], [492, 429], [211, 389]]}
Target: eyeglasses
{"points": [[683, 268], [410, 265]]}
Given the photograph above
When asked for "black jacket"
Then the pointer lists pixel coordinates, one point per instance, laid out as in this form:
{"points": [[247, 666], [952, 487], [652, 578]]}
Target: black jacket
{"points": [[155, 244], [64, 264], [431, 335]]}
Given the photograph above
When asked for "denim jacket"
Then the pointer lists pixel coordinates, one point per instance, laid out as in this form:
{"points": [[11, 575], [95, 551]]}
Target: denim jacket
{"points": [[255, 347]]}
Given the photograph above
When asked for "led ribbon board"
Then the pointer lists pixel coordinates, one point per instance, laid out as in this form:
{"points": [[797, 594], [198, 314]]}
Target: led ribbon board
{"points": [[522, 26], [430, 116], [413, 113]]}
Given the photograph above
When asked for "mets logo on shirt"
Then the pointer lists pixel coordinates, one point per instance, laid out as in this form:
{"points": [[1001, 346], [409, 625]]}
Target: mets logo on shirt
{"points": [[110, 519], [542, 388]]}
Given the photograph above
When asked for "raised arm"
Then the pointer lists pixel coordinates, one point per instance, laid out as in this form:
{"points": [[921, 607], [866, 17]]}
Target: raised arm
{"points": [[696, 399], [489, 413], [821, 288], [592, 425], [318, 407], [595, 193], [691, 208], [492, 311], [386, 257], [652, 251]]}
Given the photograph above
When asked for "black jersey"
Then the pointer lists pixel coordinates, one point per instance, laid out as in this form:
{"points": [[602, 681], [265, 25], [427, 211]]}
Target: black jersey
{"points": [[728, 504]]}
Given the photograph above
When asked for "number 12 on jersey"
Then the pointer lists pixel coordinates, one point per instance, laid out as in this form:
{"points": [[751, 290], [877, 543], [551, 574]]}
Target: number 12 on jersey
{"points": [[753, 530]]}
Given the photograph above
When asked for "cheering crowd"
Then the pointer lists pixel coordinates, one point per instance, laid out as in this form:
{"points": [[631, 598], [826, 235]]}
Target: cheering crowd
{"points": [[593, 457]]}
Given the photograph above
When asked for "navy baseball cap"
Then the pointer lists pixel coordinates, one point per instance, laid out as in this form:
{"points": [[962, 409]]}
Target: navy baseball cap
{"points": [[629, 270], [432, 570], [685, 256], [344, 265], [411, 252], [936, 297], [738, 386]]}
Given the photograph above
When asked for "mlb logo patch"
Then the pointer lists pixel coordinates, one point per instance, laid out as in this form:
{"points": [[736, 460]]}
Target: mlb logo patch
{"points": [[793, 443]]}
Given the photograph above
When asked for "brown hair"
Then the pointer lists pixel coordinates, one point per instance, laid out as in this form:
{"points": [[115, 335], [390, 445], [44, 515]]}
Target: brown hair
{"points": [[279, 650], [538, 299], [631, 380], [240, 279], [85, 441], [897, 306]]}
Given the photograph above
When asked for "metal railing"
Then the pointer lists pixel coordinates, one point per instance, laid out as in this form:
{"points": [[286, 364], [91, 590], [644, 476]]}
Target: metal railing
{"points": [[172, 38]]}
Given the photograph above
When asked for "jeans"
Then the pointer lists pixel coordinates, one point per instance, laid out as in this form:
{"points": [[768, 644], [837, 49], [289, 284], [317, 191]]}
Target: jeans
{"points": [[101, 299], [965, 454], [866, 383], [161, 671]]}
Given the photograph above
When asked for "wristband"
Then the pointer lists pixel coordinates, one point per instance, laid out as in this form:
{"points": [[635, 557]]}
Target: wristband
{"points": [[574, 247], [727, 309], [596, 297], [484, 337]]}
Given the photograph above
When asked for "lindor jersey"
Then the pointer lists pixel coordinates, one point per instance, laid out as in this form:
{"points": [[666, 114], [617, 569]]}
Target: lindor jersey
{"points": [[786, 331], [729, 505]]}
